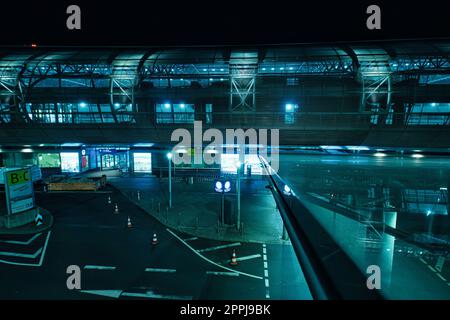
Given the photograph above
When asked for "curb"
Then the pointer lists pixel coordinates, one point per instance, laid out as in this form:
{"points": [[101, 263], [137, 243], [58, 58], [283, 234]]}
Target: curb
{"points": [[31, 228]]}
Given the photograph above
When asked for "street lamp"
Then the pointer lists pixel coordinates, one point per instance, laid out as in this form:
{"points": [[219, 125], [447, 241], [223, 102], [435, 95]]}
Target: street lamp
{"points": [[238, 192], [169, 156], [222, 187]]}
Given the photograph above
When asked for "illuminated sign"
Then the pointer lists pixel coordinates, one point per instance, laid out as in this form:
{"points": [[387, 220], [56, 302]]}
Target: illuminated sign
{"points": [[19, 190]]}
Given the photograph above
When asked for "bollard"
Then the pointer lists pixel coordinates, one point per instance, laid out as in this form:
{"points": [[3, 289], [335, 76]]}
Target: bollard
{"points": [[139, 195]]}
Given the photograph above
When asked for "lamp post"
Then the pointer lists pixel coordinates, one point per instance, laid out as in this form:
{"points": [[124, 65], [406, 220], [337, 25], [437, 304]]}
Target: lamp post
{"points": [[222, 187], [238, 192], [169, 156]]}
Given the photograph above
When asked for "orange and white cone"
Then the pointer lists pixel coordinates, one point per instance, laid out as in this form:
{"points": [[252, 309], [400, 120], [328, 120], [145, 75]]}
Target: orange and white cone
{"points": [[233, 261], [155, 240], [116, 209], [129, 225], [109, 200]]}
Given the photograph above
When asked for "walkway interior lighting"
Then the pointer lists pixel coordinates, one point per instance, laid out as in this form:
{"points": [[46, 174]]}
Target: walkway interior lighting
{"points": [[169, 155], [380, 154], [167, 105], [82, 104], [289, 107], [417, 156]]}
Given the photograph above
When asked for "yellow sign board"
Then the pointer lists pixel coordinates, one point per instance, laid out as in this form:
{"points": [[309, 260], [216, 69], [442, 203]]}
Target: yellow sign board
{"points": [[18, 177]]}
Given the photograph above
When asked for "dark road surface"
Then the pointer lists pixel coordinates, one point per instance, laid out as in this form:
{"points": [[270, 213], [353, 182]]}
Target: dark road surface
{"points": [[118, 262]]}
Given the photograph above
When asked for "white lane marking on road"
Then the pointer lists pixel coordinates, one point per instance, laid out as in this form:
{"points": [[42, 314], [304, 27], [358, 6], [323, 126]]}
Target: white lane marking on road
{"points": [[210, 261], [220, 247], [31, 264], [160, 270], [191, 239], [152, 295], [217, 273], [266, 271], [45, 249], [440, 276], [22, 242], [431, 268], [92, 267], [423, 260], [253, 256], [21, 255], [105, 293]]}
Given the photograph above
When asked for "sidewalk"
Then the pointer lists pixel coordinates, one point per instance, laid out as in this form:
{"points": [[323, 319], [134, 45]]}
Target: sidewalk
{"points": [[195, 208]]}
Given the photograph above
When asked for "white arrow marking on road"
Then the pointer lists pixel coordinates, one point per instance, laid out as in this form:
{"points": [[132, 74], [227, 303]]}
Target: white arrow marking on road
{"points": [[89, 267], [216, 273], [22, 242], [220, 247], [22, 255], [44, 249], [210, 261], [160, 270], [105, 293], [152, 295]]}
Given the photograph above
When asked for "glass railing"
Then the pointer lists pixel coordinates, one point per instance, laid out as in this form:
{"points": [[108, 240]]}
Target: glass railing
{"points": [[367, 234]]}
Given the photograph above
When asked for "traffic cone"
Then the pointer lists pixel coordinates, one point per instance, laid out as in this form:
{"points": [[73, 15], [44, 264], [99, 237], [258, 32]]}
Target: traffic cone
{"points": [[116, 209], [129, 225], [155, 240], [233, 261], [109, 199]]}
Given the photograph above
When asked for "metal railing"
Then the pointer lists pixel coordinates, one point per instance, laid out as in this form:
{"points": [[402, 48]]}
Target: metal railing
{"points": [[300, 120]]}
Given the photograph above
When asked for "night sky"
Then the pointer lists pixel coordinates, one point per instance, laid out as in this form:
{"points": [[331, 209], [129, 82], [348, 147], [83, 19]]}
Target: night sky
{"points": [[152, 22]]}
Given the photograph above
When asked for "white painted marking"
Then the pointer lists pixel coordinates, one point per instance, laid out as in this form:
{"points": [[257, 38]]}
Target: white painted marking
{"points": [[191, 239], [31, 264], [106, 293], [265, 265], [22, 242], [423, 260], [210, 261], [264, 245], [267, 296], [152, 295], [253, 256], [266, 273], [265, 257], [231, 274], [91, 267], [21, 255], [160, 270], [431, 268], [220, 247], [264, 250], [266, 282], [440, 276]]}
